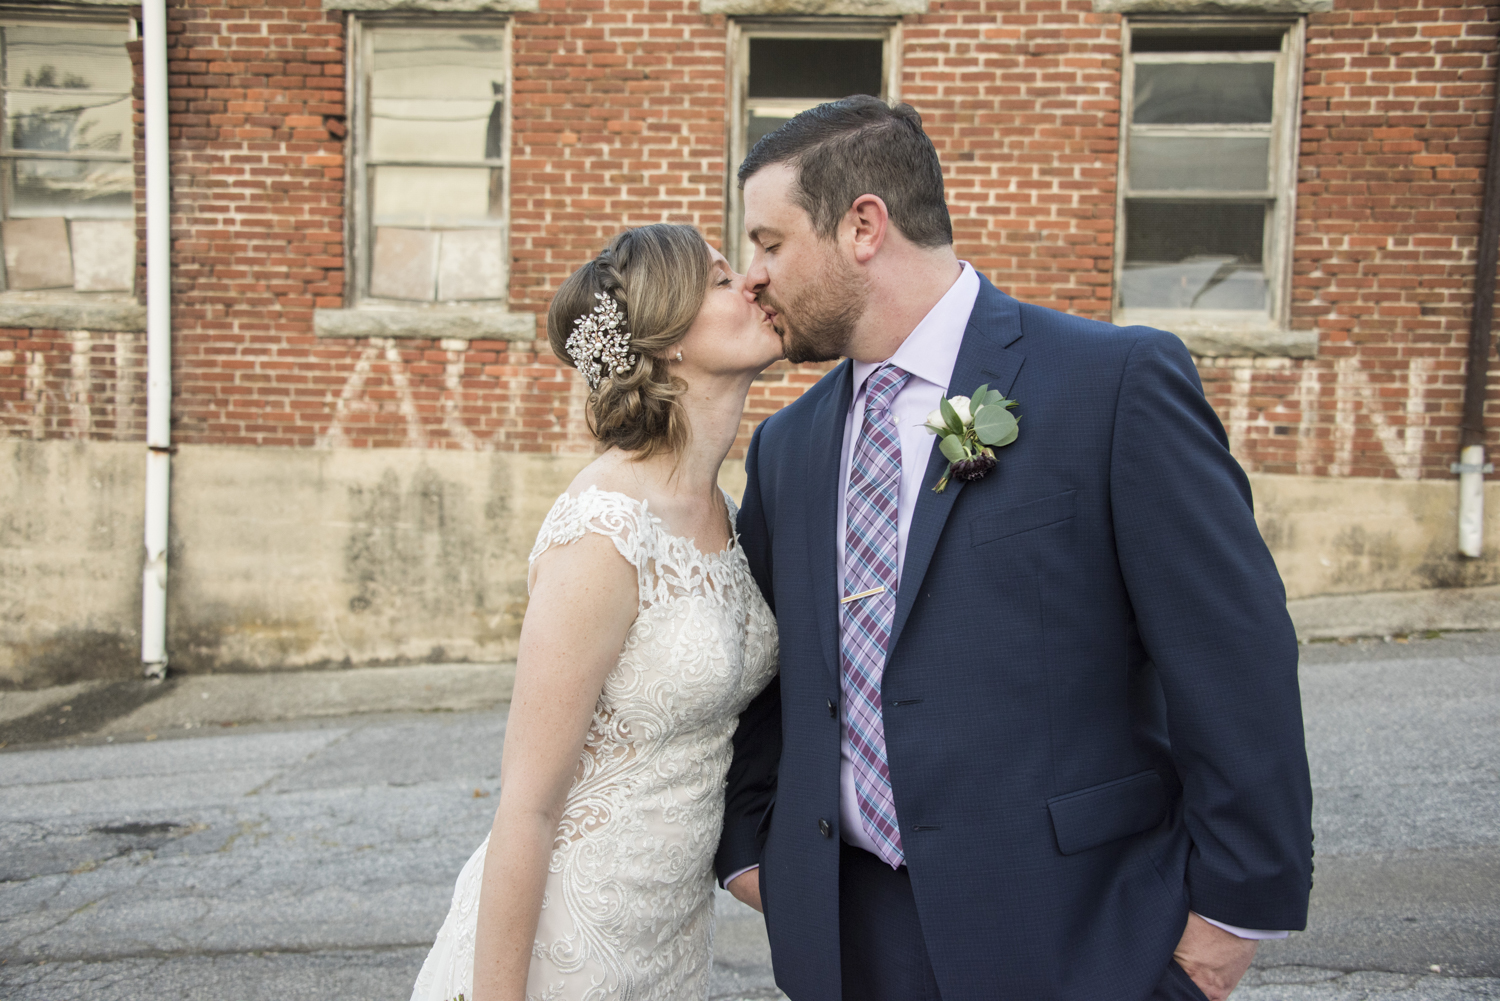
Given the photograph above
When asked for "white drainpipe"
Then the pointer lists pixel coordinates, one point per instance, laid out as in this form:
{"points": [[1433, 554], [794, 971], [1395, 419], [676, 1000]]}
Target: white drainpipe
{"points": [[1471, 468], [158, 340]]}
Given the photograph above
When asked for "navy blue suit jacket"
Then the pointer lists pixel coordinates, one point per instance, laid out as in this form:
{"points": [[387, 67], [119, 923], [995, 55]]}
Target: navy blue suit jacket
{"points": [[1091, 706]]}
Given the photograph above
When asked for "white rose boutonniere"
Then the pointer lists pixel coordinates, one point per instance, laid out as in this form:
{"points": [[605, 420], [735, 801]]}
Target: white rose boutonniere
{"points": [[971, 428]]}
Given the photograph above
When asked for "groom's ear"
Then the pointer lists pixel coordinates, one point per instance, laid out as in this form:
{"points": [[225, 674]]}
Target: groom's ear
{"points": [[869, 222]]}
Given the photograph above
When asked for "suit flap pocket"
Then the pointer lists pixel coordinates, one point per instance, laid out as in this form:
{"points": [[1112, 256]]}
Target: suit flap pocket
{"points": [[1099, 814], [1023, 518]]}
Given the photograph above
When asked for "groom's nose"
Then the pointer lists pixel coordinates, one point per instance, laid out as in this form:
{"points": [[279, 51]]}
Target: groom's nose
{"points": [[756, 278]]}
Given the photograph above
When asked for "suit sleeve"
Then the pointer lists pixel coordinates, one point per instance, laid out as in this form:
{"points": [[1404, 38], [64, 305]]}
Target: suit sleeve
{"points": [[757, 739], [1211, 612]]}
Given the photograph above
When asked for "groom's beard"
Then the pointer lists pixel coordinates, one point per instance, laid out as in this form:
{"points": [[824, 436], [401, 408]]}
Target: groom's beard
{"points": [[823, 314]]}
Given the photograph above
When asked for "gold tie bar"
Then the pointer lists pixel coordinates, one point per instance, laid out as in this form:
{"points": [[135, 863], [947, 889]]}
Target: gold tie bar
{"points": [[862, 594]]}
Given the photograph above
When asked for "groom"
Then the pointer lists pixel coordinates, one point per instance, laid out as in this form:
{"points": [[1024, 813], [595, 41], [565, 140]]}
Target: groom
{"points": [[1038, 735]]}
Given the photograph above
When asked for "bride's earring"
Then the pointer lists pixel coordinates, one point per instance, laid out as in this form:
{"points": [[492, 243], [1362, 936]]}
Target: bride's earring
{"points": [[679, 356]]}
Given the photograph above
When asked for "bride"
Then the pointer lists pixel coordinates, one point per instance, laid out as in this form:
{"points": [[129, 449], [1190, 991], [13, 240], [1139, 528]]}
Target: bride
{"points": [[644, 639]]}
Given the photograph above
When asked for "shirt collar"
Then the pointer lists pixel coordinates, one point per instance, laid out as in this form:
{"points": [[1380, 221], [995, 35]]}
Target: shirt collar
{"points": [[931, 350]]}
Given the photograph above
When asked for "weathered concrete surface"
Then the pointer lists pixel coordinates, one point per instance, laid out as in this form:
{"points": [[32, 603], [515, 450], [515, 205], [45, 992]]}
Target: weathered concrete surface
{"points": [[71, 553], [315, 859], [287, 559], [1394, 613], [1353, 536], [187, 702]]}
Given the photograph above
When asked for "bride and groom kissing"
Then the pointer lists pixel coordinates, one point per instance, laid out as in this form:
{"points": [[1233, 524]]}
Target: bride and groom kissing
{"points": [[973, 702]]}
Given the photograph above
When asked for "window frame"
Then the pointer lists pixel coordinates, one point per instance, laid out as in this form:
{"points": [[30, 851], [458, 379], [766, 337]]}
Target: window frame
{"points": [[1226, 331], [107, 17], [358, 229], [737, 60]]}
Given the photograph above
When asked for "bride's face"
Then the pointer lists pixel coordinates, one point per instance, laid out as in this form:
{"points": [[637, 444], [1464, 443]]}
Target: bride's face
{"points": [[731, 334]]}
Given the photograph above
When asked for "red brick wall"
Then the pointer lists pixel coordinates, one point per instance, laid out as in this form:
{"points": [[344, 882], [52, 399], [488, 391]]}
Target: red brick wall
{"points": [[1022, 101], [618, 118]]}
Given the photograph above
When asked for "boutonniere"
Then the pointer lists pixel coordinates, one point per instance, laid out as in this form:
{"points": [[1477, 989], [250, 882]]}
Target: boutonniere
{"points": [[970, 429]]}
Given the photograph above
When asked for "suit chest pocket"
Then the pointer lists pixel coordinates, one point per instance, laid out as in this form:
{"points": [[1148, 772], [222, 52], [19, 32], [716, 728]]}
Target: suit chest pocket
{"points": [[1026, 517]]}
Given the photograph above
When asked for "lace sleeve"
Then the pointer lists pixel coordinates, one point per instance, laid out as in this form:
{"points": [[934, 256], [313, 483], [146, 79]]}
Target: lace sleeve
{"points": [[619, 518]]}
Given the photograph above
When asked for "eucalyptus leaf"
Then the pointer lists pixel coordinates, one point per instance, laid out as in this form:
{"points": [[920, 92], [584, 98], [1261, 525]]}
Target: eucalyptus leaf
{"points": [[952, 447], [950, 417], [993, 397], [994, 425], [978, 399]]}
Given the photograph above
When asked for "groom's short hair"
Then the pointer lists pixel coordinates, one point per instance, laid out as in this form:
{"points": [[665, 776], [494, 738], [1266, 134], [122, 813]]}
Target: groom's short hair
{"points": [[858, 146]]}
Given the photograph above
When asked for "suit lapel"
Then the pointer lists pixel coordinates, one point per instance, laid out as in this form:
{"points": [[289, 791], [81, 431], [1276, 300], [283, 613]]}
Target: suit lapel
{"points": [[823, 475], [984, 357]]}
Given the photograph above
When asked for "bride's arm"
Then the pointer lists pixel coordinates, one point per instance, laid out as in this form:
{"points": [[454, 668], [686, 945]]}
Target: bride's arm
{"points": [[583, 602]]}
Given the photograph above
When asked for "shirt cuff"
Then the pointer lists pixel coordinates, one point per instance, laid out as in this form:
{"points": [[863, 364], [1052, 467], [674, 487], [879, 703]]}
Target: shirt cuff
{"points": [[736, 875], [1250, 933]]}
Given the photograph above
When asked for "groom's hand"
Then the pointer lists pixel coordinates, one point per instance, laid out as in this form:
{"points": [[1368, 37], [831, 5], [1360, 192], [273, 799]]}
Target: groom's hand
{"points": [[1215, 959], [746, 888]]}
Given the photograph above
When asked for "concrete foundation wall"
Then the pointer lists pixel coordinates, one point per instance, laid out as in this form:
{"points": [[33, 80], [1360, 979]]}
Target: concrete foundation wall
{"points": [[285, 559]]}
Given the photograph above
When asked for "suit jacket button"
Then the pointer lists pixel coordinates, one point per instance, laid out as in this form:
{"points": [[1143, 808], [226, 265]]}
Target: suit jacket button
{"points": [[833, 710], [824, 829]]}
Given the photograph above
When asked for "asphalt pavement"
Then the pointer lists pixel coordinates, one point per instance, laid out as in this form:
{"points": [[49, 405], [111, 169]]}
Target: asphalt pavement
{"points": [[171, 848]]}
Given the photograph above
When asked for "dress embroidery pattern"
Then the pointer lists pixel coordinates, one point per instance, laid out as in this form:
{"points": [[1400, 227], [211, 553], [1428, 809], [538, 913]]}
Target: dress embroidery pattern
{"points": [[628, 908]]}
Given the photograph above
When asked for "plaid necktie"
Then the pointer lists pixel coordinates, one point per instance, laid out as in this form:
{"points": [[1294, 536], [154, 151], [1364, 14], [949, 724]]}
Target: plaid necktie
{"points": [[870, 562]]}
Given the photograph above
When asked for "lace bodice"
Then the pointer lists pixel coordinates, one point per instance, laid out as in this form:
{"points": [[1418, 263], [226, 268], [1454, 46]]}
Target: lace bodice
{"points": [[628, 909]]}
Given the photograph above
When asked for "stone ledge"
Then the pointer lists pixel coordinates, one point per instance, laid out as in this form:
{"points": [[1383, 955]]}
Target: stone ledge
{"points": [[1212, 6], [1216, 337], [842, 8], [75, 315], [435, 6], [435, 324]]}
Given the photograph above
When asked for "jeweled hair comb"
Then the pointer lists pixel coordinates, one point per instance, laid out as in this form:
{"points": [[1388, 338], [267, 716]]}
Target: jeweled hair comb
{"points": [[599, 344]]}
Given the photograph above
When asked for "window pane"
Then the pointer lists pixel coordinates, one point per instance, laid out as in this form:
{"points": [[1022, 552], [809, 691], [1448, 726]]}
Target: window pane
{"points": [[80, 122], [436, 196], [435, 130], [36, 253], [1203, 93], [75, 189], [446, 65], [1194, 41], [1193, 255], [67, 58], [761, 125], [815, 67], [1177, 163]]}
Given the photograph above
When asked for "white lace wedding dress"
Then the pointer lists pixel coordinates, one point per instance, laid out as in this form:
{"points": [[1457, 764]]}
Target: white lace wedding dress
{"points": [[629, 904]]}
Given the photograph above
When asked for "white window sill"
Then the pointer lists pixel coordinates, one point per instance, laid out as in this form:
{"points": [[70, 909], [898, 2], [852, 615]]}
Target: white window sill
{"points": [[70, 311], [432, 323], [443, 6], [1224, 333], [782, 8]]}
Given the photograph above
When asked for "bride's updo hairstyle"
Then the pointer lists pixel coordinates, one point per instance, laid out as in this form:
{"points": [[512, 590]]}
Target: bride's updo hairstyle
{"points": [[657, 276]]}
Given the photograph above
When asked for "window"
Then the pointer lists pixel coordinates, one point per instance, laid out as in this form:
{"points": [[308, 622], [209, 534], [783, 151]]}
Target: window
{"points": [[66, 174], [783, 68], [1206, 185], [431, 154]]}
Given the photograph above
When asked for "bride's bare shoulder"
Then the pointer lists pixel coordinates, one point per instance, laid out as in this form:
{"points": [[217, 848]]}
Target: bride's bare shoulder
{"points": [[609, 473]]}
